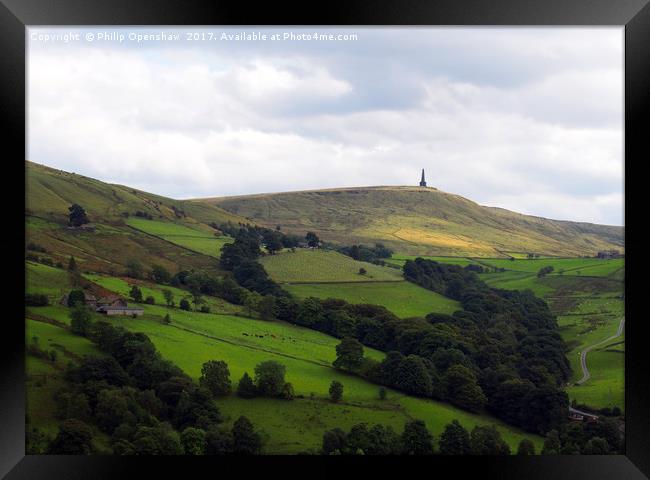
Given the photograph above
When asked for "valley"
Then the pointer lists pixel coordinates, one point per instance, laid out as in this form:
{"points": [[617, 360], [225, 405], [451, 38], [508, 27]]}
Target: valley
{"points": [[219, 313]]}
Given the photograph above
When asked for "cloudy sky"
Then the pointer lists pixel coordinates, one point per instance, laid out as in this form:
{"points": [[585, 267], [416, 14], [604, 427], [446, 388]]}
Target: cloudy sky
{"points": [[528, 119]]}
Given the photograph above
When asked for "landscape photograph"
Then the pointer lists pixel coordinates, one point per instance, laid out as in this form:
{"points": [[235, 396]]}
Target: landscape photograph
{"points": [[324, 241]]}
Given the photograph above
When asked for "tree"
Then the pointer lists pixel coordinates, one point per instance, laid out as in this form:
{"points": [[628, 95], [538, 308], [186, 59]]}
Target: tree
{"points": [[219, 442], [336, 391], [150, 300], [215, 376], [167, 319], [596, 446], [80, 319], [272, 241], [486, 440], [333, 440], [36, 441], [288, 392], [269, 378], [246, 441], [383, 441], [136, 294], [72, 265], [463, 389], [382, 393], [312, 240], [134, 268], [169, 297], [73, 405], [362, 271], [266, 307], [454, 440], [158, 440], [251, 302], [160, 274], [74, 438], [526, 447], [413, 376], [112, 409], [349, 354], [552, 445], [76, 297], [184, 304], [416, 439], [77, 216], [246, 388], [193, 441]]}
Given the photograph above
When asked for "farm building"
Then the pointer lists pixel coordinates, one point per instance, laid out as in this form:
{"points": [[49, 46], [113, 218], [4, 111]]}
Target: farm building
{"points": [[111, 301], [608, 254], [581, 416], [120, 310]]}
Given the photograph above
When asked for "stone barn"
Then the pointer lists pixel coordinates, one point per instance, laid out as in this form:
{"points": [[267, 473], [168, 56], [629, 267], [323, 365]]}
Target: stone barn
{"points": [[120, 310]]}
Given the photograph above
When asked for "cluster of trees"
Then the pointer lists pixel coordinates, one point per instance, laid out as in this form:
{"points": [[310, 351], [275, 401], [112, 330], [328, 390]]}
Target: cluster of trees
{"points": [[146, 404], [417, 440], [475, 268], [364, 253], [509, 339], [269, 380], [601, 437], [240, 257], [158, 273], [35, 247], [544, 271], [36, 300], [142, 214], [273, 240], [136, 295]]}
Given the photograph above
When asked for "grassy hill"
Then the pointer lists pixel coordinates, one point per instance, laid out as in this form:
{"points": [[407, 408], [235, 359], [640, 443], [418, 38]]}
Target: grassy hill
{"points": [[176, 236], [416, 220]]}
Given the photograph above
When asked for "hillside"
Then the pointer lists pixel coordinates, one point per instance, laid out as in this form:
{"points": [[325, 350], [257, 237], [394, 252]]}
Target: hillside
{"points": [[418, 220], [117, 235]]}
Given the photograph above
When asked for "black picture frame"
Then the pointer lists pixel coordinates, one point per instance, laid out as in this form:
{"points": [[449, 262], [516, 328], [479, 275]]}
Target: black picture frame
{"points": [[15, 15]]}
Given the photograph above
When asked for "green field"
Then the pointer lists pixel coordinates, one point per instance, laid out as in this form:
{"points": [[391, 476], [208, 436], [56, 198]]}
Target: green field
{"points": [[67, 344], [606, 386], [197, 238], [399, 260], [53, 282], [122, 286], [322, 266], [404, 299], [592, 267]]}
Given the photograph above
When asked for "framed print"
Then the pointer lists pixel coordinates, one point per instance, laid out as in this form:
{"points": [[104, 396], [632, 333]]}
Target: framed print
{"points": [[374, 230]]}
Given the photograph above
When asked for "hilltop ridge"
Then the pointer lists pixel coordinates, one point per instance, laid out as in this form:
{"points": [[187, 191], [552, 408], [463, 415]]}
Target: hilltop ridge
{"points": [[419, 220]]}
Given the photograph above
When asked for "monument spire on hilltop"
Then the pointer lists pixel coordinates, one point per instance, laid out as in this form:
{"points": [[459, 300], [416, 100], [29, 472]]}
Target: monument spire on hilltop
{"points": [[423, 183]]}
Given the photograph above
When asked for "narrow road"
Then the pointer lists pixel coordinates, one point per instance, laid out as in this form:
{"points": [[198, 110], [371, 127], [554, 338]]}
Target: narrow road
{"points": [[583, 355]]}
